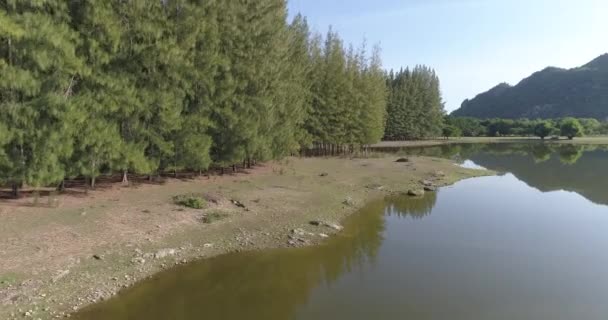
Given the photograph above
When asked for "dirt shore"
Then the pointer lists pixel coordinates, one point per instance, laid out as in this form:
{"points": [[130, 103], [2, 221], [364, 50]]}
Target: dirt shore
{"points": [[77, 250]]}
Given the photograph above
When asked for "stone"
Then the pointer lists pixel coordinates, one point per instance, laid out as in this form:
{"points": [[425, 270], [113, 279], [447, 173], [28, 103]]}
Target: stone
{"points": [[426, 183], [415, 193], [403, 160], [334, 226], [324, 174], [301, 232], [164, 253], [98, 257], [349, 202], [238, 204], [316, 223], [430, 188], [323, 235]]}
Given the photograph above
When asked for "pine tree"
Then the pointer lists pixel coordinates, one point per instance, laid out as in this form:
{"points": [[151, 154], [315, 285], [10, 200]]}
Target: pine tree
{"points": [[200, 40], [102, 94], [294, 91], [415, 108], [375, 100], [39, 68], [111, 86]]}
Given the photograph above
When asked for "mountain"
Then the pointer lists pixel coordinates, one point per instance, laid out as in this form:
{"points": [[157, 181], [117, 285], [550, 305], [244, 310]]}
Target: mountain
{"points": [[551, 93]]}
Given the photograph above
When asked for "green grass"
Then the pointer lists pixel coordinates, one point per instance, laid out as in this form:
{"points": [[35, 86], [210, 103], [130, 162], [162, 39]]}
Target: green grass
{"points": [[190, 201]]}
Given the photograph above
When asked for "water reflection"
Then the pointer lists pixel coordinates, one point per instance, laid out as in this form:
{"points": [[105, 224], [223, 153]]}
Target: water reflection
{"points": [[547, 167], [415, 208], [258, 285], [490, 248]]}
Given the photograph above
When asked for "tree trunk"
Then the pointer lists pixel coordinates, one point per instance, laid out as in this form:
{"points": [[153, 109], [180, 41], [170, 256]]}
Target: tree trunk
{"points": [[125, 177], [15, 190], [93, 182], [234, 168], [61, 186]]}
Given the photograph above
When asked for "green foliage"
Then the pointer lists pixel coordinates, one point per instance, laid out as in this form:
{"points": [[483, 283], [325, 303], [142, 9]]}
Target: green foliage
{"points": [[415, 108], [544, 129], [347, 93], [104, 86], [39, 65], [571, 128], [472, 127], [469, 127], [450, 131], [591, 126], [190, 201], [548, 94]]}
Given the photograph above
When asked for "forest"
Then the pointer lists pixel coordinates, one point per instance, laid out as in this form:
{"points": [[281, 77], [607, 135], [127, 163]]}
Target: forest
{"points": [[103, 87]]}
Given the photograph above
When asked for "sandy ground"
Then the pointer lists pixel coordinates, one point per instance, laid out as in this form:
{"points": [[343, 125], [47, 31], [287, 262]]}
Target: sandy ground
{"points": [[58, 255]]}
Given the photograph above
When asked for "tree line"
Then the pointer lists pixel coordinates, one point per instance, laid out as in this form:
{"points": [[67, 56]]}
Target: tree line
{"points": [[147, 87], [567, 127]]}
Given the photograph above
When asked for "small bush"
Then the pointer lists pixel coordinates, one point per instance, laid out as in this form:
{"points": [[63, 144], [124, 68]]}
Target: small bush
{"points": [[190, 201]]}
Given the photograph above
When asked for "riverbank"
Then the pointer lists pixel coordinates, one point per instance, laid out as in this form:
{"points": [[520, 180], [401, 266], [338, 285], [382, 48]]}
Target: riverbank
{"points": [[56, 260], [603, 140]]}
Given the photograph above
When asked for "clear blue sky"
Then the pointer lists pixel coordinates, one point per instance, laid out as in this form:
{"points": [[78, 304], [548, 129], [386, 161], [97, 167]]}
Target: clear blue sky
{"points": [[473, 44]]}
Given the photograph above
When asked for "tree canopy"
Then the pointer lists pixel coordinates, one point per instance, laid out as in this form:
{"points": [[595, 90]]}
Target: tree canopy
{"points": [[144, 87], [415, 107]]}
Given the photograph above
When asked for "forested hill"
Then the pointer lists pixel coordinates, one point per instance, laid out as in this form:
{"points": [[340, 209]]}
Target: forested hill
{"points": [[551, 93]]}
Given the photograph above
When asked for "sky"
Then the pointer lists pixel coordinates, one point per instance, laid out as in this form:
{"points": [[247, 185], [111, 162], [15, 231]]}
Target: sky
{"points": [[472, 44]]}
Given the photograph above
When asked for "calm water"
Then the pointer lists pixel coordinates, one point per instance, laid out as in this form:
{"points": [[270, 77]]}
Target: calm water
{"points": [[531, 243]]}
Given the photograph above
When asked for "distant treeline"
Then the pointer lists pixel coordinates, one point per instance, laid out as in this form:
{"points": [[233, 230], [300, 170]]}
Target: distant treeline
{"points": [[567, 127]]}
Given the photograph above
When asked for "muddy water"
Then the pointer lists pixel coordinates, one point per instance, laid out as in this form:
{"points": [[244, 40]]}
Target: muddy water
{"points": [[531, 243]]}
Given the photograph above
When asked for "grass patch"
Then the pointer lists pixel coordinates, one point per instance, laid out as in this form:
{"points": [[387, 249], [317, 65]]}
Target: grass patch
{"points": [[190, 201], [7, 279], [212, 217]]}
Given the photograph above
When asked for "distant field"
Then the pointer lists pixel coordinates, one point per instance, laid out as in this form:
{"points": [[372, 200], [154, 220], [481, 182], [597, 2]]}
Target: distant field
{"points": [[432, 142]]}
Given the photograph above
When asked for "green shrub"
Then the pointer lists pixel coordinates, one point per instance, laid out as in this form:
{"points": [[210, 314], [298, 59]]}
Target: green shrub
{"points": [[190, 201]]}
